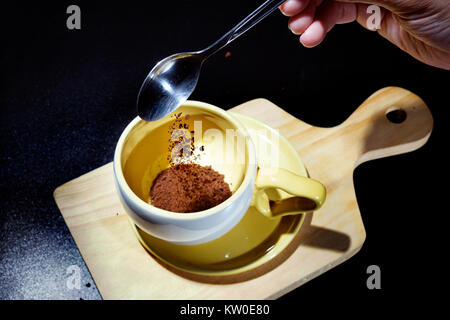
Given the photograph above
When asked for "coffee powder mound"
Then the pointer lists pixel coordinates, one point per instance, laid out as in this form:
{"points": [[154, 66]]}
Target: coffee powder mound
{"points": [[188, 188]]}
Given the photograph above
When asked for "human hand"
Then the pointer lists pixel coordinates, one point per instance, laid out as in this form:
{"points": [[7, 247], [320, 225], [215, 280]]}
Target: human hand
{"points": [[419, 27]]}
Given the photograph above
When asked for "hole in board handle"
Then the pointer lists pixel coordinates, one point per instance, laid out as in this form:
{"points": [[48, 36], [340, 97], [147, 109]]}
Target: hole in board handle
{"points": [[396, 115]]}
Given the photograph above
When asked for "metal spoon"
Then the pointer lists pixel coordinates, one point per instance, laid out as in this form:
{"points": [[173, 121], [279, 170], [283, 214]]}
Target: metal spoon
{"points": [[173, 79]]}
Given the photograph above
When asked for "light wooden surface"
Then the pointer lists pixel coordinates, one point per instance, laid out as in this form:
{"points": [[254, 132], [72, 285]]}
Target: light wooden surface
{"points": [[122, 269]]}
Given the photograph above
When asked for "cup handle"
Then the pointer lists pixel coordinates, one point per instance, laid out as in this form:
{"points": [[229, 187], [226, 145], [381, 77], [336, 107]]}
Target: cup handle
{"points": [[307, 194]]}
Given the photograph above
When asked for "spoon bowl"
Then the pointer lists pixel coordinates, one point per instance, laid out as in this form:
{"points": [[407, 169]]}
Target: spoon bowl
{"points": [[168, 85]]}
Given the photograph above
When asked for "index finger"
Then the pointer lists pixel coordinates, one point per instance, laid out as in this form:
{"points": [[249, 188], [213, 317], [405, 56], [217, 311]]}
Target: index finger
{"points": [[292, 7]]}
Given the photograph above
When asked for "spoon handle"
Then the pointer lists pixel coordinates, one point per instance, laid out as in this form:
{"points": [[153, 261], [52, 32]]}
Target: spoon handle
{"points": [[253, 18]]}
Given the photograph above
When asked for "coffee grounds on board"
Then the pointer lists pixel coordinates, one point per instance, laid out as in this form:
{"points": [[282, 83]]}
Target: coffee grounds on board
{"points": [[188, 188]]}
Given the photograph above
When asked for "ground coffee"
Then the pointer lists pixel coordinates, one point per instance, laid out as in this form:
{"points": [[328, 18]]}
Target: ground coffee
{"points": [[188, 188]]}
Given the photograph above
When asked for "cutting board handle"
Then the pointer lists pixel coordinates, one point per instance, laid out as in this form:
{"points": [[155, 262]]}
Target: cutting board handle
{"points": [[391, 121]]}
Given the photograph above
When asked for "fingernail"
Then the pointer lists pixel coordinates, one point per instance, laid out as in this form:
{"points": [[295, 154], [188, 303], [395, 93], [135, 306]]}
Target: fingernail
{"points": [[306, 46], [292, 30], [296, 33], [283, 6]]}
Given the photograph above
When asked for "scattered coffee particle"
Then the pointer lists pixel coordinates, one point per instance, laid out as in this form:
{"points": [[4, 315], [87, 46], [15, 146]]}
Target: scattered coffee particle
{"points": [[188, 188], [181, 141], [227, 54]]}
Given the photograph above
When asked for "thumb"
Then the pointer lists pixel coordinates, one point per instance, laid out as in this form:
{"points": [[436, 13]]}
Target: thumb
{"points": [[396, 21], [377, 18], [399, 7]]}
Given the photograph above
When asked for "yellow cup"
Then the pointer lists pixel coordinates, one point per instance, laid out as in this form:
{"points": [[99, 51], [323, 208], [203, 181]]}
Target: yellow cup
{"points": [[142, 153]]}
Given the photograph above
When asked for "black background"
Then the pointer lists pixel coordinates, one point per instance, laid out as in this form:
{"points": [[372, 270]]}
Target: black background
{"points": [[66, 95]]}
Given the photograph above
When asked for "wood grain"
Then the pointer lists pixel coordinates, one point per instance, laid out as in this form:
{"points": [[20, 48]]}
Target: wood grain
{"points": [[122, 269]]}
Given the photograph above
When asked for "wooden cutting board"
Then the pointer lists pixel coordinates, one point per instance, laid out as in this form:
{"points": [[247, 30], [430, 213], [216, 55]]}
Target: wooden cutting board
{"points": [[123, 269]]}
